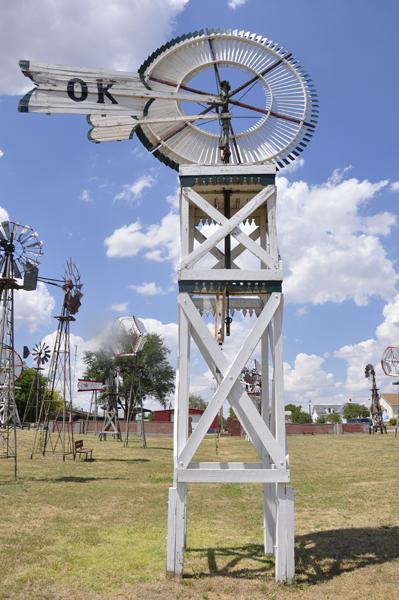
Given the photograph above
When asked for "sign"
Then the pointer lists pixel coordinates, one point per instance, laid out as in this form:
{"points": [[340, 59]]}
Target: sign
{"points": [[85, 385]]}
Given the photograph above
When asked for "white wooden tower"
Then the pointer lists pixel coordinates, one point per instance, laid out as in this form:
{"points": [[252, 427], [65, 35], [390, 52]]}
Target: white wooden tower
{"points": [[227, 177], [246, 192]]}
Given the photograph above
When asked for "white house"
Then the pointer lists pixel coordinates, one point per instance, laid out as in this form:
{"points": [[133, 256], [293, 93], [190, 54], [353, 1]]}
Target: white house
{"points": [[324, 410], [389, 402]]}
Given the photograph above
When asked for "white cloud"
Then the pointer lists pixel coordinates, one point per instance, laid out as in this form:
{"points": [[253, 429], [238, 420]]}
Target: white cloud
{"points": [[160, 242], [146, 289], [94, 33], [330, 251], [234, 3], [134, 192], [33, 309], [294, 166], [394, 186], [121, 308], [301, 311], [168, 332], [1, 153], [85, 196]]}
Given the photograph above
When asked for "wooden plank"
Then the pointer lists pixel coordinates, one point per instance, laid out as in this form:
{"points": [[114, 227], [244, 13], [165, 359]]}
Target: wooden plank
{"points": [[278, 374], [281, 536], [181, 502], [171, 535], [232, 475], [237, 250], [272, 226], [242, 169], [235, 303], [236, 276], [289, 492], [199, 236]]}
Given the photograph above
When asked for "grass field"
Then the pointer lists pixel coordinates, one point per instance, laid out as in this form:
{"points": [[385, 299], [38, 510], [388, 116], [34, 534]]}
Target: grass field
{"points": [[95, 530]]}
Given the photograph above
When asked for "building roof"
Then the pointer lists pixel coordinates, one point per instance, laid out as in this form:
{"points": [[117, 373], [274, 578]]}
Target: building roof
{"points": [[321, 408], [391, 398]]}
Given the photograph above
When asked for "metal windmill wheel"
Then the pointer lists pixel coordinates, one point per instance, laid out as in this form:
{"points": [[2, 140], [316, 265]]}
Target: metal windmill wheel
{"points": [[41, 354], [72, 287], [20, 249], [274, 122]]}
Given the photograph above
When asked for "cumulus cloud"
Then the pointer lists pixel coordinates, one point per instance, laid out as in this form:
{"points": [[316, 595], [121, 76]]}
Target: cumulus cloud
{"points": [[167, 331], [160, 242], [1, 153], [102, 34], [33, 309], [85, 196], [236, 3], [121, 308], [370, 351], [394, 186], [147, 289], [330, 251], [132, 193]]}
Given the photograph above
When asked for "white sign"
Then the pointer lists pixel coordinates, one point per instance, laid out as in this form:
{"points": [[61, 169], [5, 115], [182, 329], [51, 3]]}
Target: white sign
{"points": [[85, 385]]}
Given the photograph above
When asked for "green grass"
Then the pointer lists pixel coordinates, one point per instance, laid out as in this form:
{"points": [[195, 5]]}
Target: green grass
{"points": [[96, 529]]}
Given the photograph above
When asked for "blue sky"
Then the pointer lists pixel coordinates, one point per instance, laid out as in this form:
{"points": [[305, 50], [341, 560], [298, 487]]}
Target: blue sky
{"points": [[112, 206]]}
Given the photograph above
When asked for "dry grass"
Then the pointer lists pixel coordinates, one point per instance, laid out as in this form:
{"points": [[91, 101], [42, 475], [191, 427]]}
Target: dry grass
{"points": [[95, 530]]}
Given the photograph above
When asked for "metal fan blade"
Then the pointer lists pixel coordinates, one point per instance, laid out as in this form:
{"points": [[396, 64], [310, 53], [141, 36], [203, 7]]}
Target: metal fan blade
{"points": [[15, 229], [40, 244], [33, 235], [24, 231], [5, 225], [33, 253], [31, 262], [15, 271]]}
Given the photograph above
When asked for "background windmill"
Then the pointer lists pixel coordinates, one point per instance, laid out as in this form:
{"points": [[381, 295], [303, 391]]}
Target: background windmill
{"points": [[20, 251], [54, 431], [40, 354]]}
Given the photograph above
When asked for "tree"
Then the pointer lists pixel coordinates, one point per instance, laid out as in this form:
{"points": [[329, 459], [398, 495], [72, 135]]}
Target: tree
{"points": [[22, 389], [333, 418], [297, 414], [157, 376], [320, 420], [197, 401], [355, 411]]}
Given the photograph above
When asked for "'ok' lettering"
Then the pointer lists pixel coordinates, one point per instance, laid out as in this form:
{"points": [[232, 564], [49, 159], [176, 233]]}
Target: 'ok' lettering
{"points": [[103, 90]]}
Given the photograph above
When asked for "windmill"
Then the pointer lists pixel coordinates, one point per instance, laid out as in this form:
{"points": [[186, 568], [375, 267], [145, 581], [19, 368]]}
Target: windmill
{"points": [[20, 251], [390, 366], [40, 354], [227, 153], [127, 338], [54, 430], [377, 422]]}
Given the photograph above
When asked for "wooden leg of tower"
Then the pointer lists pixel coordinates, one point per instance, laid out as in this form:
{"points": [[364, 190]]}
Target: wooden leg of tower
{"points": [[290, 534], [281, 537], [177, 513], [269, 489]]}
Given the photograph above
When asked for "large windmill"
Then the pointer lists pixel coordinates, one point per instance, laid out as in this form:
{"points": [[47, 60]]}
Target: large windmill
{"points": [[227, 153], [54, 432]]}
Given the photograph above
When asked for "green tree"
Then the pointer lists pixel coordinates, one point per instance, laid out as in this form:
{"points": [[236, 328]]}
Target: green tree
{"points": [[22, 390], [297, 414], [157, 376], [333, 418], [197, 401], [232, 414], [355, 411], [320, 420]]}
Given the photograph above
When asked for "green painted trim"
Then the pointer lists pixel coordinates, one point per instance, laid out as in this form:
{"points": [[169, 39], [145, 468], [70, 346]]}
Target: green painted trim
{"points": [[147, 106], [259, 288], [190, 181], [88, 120], [23, 105]]}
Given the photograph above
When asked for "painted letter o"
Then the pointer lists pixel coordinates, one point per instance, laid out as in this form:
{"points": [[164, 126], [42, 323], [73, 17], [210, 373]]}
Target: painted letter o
{"points": [[71, 89]]}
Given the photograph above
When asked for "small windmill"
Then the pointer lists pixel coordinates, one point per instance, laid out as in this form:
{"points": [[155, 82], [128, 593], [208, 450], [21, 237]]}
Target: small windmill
{"points": [[40, 354], [20, 251], [127, 338], [54, 431], [377, 422]]}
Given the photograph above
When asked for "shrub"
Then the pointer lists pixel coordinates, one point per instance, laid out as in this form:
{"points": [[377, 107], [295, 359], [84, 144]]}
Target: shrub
{"points": [[320, 420], [392, 421]]}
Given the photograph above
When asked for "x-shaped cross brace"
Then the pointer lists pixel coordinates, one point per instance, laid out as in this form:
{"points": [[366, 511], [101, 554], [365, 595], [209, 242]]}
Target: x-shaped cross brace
{"points": [[230, 388]]}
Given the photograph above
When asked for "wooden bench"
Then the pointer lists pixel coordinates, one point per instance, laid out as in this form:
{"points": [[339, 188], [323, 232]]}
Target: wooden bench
{"points": [[80, 450], [308, 432]]}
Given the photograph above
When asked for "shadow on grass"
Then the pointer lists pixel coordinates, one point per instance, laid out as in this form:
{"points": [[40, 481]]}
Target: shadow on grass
{"points": [[126, 460], [319, 556], [73, 479]]}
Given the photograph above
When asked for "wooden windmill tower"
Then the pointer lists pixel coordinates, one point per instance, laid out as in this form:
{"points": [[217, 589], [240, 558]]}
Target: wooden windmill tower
{"points": [[227, 178]]}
